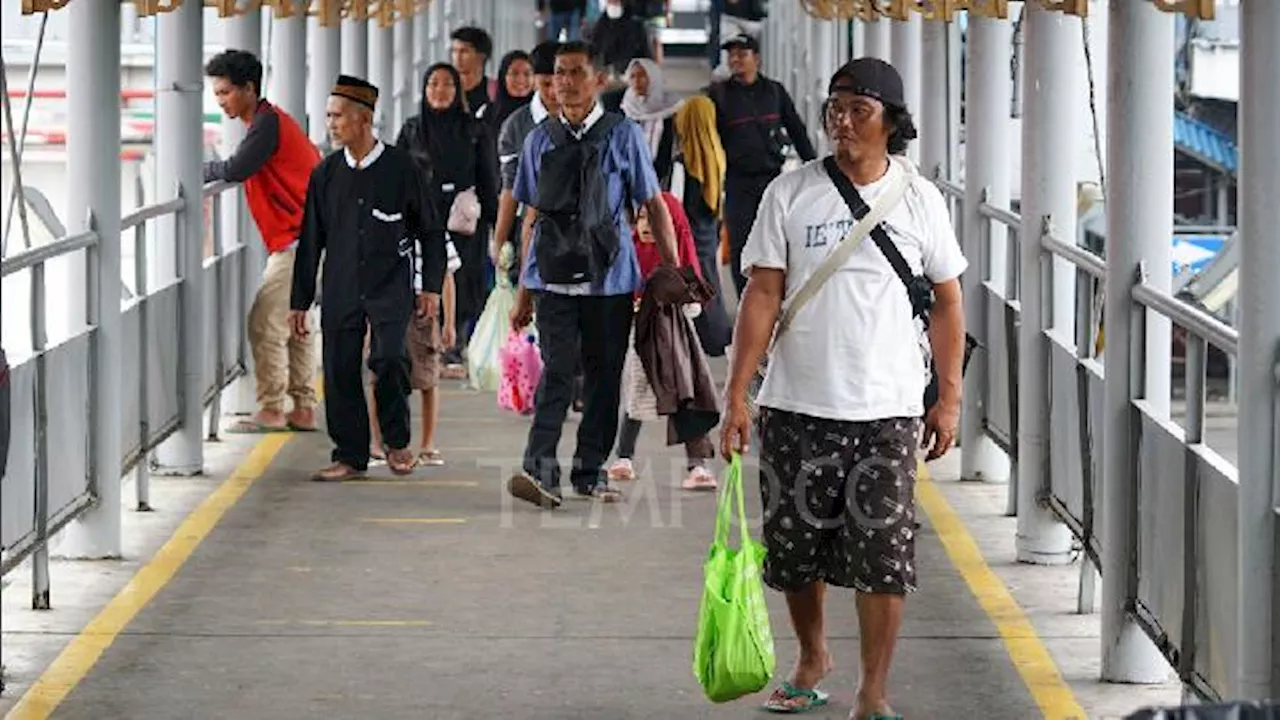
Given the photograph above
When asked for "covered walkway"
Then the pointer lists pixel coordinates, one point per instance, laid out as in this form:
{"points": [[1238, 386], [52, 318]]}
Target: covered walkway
{"points": [[1089, 533]]}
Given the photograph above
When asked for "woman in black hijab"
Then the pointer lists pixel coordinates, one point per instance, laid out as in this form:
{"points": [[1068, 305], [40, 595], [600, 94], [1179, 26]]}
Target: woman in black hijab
{"points": [[457, 153], [515, 85]]}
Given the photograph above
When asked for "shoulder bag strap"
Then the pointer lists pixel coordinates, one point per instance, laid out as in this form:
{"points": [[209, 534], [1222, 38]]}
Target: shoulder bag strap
{"points": [[859, 208], [837, 257]]}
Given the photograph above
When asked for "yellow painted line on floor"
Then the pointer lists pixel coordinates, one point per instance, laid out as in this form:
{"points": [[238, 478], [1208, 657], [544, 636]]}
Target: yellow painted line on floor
{"points": [[1029, 655], [380, 482], [415, 521], [75, 661]]}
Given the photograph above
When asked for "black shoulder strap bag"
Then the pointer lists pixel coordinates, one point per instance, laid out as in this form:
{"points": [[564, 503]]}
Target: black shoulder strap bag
{"points": [[919, 288]]}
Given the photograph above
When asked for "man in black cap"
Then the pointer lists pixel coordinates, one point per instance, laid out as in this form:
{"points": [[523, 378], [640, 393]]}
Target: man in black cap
{"points": [[365, 208], [752, 113], [847, 374]]}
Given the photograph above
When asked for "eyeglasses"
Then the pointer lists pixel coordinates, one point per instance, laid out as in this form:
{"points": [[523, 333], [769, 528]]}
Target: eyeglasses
{"points": [[858, 110]]}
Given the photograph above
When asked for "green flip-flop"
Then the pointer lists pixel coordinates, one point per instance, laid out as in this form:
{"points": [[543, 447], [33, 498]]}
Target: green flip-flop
{"points": [[780, 701]]}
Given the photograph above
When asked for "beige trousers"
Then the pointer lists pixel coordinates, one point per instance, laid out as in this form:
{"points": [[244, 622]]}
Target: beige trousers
{"points": [[284, 365]]}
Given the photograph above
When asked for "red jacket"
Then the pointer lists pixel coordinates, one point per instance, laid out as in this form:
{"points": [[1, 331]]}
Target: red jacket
{"points": [[647, 250], [277, 192]]}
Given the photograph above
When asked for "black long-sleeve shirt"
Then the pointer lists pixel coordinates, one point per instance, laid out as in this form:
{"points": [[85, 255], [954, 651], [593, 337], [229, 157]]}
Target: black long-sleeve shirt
{"points": [[476, 167], [260, 142], [750, 119], [365, 220]]}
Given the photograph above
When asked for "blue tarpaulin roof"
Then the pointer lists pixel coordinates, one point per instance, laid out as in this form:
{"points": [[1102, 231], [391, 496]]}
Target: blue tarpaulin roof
{"points": [[1204, 142]]}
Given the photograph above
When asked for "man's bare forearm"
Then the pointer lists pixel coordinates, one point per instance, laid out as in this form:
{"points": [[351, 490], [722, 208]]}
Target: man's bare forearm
{"points": [[526, 243], [757, 316], [946, 337], [506, 218], [664, 230]]}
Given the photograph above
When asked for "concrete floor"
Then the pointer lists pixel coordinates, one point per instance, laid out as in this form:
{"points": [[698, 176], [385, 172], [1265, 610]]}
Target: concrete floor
{"points": [[310, 601]]}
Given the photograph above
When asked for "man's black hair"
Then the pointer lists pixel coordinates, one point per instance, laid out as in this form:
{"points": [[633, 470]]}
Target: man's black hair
{"points": [[543, 57], [239, 67], [476, 38], [579, 47], [902, 129]]}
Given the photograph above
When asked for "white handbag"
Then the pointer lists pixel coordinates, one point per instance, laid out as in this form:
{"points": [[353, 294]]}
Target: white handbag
{"points": [[464, 215]]}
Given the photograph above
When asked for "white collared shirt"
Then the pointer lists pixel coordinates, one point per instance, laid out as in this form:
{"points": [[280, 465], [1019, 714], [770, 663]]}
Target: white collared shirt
{"points": [[367, 160], [597, 112], [537, 110]]}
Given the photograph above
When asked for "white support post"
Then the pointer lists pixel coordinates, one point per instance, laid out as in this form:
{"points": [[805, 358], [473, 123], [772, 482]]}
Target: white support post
{"points": [[1259, 361], [179, 143], [289, 66], [402, 71], [955, 58], [931, 116], [382, 75], [326, 58], [907, 51], [423, 54], [877, 37], [859, 48], [987, 178], [93, 151], [825, 58], [1048, 190], [244, 32], [1139, 228], [355, 47]]}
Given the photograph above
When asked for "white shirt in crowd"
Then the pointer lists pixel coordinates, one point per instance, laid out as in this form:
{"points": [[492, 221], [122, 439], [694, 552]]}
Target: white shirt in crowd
{"points": [[853, 352]]}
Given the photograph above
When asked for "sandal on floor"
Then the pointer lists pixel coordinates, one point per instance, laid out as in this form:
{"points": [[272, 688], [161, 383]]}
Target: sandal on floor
{"points": [[789, 699], [606, 493], [255, 427], [401, 462], [430, 458], [877, 716]]}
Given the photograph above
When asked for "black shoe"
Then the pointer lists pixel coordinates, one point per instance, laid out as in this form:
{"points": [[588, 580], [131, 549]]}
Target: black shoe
{"points": [[523, 487]]}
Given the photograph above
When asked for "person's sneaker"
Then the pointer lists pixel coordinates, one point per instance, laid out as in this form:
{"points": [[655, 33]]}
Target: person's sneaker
{"points": [[699, 478], [523, 487], [622, 470]]}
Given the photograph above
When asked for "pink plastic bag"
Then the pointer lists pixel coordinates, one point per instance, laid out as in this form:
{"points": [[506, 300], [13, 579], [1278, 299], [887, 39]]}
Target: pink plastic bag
{"points": [[521, 364]]}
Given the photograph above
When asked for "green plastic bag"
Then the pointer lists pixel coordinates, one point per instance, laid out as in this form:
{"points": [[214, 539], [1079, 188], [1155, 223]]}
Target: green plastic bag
{"points": [[733, 651]]}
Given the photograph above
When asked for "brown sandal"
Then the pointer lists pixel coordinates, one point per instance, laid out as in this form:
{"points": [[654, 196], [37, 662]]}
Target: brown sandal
{"points": [[430, 458], [336, 472], [401, 461]]}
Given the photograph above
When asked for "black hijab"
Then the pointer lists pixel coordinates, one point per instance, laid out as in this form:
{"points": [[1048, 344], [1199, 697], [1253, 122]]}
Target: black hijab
{"points": [[447, 135], [506, 103]]}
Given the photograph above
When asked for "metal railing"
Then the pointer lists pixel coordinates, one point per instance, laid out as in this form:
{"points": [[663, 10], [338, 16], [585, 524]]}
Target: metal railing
{"points": [[46, 486], [1185, 515]]}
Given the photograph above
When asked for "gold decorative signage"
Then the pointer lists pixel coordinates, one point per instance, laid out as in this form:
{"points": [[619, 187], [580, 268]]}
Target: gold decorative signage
{"points": [[1196, 9]]}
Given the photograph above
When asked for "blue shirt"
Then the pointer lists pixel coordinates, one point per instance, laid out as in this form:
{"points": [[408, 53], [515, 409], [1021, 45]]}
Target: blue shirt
{"points": [[626, 159]]}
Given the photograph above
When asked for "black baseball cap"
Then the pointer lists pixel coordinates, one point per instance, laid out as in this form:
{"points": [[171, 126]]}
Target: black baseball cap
{"points": [[871, 77], [741, 41]]}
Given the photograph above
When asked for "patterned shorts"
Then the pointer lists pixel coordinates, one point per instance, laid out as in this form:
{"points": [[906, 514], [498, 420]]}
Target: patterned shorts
{"points": [[839, 502], [423, 341]]}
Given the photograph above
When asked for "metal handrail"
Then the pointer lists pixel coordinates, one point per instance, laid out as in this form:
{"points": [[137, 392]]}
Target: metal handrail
{"points": [[151, 212], [952, 189], [1075, 255], [217, 186], [1187, 316], [43, 253], [999, 214]]}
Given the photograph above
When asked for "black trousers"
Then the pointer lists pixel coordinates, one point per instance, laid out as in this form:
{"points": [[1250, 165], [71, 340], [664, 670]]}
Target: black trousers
{"points": [[596, 330], [469, 280], [715, 330], [742, 195], [345, 407]]}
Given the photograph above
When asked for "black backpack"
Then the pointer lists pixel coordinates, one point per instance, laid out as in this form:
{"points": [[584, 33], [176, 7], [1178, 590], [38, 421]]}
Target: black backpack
{"points": [[577, 228]]}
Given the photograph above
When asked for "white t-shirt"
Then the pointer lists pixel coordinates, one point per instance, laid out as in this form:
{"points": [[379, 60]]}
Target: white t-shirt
{"points": [[854, 351]]}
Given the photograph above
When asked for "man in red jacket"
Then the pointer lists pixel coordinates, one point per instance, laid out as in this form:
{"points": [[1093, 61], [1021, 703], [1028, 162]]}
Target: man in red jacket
{"points": [[274, 161]]}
